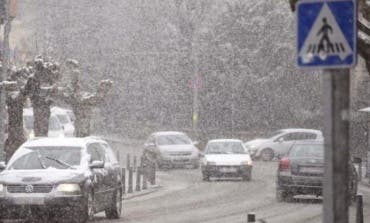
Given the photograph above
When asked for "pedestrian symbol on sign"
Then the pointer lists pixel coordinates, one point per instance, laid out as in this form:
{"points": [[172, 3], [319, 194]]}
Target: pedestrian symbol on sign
{"points": [[324, 41], [324, 31]]}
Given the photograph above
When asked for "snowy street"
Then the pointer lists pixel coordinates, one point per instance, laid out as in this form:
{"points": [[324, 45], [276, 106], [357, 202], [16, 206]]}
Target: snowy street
{"points": [[184, 197]]}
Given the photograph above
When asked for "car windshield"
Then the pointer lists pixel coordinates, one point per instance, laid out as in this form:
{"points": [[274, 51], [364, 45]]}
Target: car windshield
{"points": [[177, 139], [314, 151], [47, 157], [272, 134], [225, 148], [63, 119]]}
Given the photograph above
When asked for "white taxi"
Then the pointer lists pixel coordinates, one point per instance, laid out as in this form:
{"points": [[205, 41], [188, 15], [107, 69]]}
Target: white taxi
{"points": [[226, 158]]}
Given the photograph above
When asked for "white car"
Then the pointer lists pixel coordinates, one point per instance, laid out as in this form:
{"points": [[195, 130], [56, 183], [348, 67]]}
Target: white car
{"points": [[64, 118], [226, 158], [171, 149], [278, 143], [55, 127]]}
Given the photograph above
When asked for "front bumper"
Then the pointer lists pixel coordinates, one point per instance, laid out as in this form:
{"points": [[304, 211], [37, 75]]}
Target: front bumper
{"points": [[227, 171], [178, 161], [22, 205]]}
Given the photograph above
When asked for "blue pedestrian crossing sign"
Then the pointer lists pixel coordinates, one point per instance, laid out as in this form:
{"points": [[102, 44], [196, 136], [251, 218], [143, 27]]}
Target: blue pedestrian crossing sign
{"points": [[326, 33]]}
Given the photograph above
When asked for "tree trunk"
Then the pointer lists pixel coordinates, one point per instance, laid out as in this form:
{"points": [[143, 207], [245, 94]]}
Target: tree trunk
{"points": [[41, 114], [16, 135], [82, 122]]}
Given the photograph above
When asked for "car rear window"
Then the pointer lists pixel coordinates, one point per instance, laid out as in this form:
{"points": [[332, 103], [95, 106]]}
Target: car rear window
{"points": [[316, 151]]}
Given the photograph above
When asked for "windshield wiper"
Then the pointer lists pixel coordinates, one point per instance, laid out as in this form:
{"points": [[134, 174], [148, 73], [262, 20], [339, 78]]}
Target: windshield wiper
{"points": [[60, 162], [40, 160]]}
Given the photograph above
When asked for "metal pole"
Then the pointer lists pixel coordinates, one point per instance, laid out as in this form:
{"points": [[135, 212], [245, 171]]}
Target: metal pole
{"points": [[3, 77], [135, 164], [359, 209], [195, 86], [138, 179], [128, 164], [130, 181], [123, 180], [336, 131]]}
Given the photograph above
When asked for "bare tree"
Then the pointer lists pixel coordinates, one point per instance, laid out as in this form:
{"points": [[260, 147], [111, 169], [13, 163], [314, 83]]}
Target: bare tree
{"points": [[41, 89], [81, 102], [16, 97]]}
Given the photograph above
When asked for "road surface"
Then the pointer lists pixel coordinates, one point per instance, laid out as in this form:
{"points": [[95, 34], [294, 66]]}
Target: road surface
{"points": [[185, 198]]}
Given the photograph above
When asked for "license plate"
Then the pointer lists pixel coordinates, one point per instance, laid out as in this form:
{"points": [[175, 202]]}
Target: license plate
{"points": [[228, 169], [30, 201], [181, 160], [313, 170]]}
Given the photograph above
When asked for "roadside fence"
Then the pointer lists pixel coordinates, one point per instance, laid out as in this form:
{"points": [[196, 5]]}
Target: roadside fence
{"points": [[136, 176]]}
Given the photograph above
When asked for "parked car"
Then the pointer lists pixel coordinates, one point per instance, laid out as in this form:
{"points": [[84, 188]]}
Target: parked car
{"points": [[277, 143], [55, 127], [71, 178], [64, 118], [226, 158], [302, 172], [171, 149]]}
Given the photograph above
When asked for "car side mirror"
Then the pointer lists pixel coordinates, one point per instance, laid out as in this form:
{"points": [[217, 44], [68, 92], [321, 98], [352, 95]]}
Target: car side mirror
{"points": [[2, 166], [97, 164]]}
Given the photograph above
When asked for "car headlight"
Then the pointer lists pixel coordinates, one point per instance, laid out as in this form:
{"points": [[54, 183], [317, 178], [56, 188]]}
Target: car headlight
{"points": [[253, 147], [69, 188], [246, 163], [211, 163]]}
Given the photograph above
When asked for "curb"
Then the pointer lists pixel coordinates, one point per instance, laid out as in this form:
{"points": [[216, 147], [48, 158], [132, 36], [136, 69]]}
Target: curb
{"points": [[150, 190]]}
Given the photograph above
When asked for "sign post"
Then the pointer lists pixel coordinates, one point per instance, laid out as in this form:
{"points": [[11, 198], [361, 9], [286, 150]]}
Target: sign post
{"points": [[327, 33]]}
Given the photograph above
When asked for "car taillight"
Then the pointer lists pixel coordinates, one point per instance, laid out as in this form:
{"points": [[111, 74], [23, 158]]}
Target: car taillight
{"points": [[284, 164]]}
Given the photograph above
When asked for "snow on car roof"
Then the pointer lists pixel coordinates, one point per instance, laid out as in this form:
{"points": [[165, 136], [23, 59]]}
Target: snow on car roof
{"points": [[225, 140], [72, 142], [59, 110], [301, 130]]}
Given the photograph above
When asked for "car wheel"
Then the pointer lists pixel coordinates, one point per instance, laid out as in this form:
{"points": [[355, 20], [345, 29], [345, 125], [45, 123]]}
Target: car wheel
{"points": [[115, 209], [86, 213], [283, 195], [247, 176], [205, 176], [267, 154]]}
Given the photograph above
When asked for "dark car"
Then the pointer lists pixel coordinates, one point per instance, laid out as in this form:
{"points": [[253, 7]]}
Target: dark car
{"points": [[301, 172], [68, 178]]}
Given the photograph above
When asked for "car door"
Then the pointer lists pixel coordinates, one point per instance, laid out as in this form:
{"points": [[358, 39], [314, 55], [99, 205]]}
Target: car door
{"points": [[98, 175], [113, 178], [284, 143]]}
